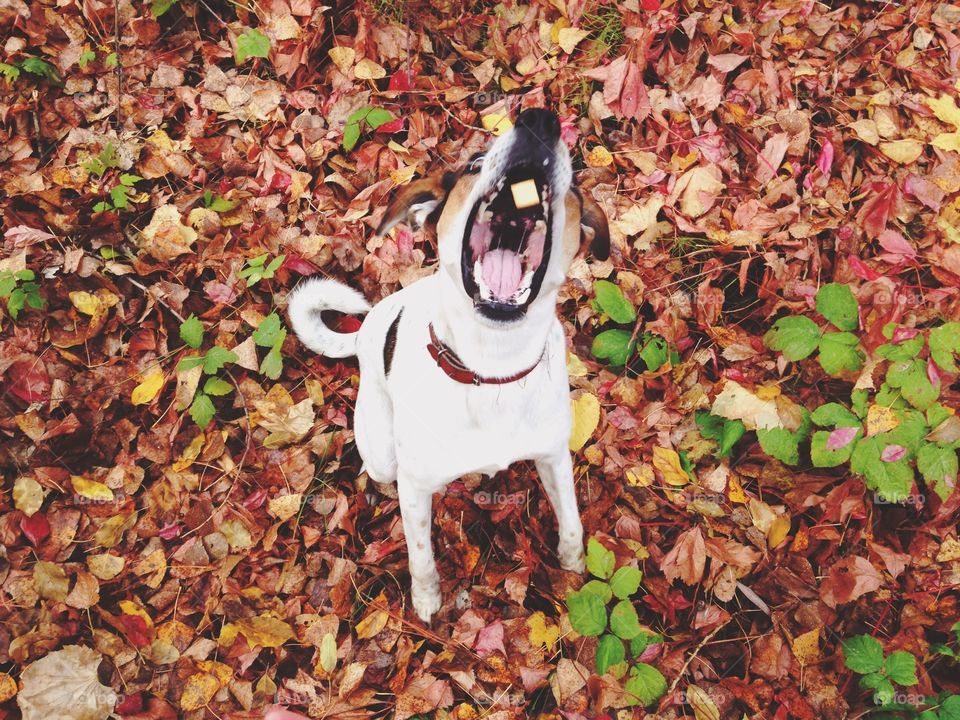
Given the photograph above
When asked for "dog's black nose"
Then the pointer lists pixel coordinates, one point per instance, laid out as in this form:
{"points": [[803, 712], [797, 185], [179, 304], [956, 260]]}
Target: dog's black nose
{"points": [[544, 124]]}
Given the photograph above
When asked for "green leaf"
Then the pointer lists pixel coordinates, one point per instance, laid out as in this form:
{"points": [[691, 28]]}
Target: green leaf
{"points": [[252, 43], [10, 72], [112, 60], [35, 300], [15, 302], [129, 180], [901, 667], [641, 642], [837, 304], [599, 588], [86, 58], [625, 582], [7, 283], [950, 708], [863, 654], [216, 386], [189, 362], [883, 689], [351, 134], [216, 358], [118, 195], [892, 480], [191, 332], [654, 352], [36, 66], [834, 415], [160, 7], [614, 346], [944, 344], [273, 266], [268, 330], [588, 613], [359, 115], [102, 207], [838, 352], [610, 651], [624, 621], [222, 205], [202, 410], [646, 684], [820, 456], [795, 336], [377, 117], [272, 365], [910, 376], [600, 561], [611, 300], [938, 466], [781, 444]]}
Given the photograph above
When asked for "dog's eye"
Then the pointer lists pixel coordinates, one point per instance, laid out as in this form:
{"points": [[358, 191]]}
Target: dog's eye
{"points": [[475, 163]]}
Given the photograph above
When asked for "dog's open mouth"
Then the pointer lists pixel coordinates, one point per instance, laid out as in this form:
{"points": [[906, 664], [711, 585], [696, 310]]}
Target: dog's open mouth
{"points": [[505, 248]]}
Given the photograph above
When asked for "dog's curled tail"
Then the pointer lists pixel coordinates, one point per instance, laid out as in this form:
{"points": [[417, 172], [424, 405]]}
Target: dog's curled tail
{"points": [[312, 297]]}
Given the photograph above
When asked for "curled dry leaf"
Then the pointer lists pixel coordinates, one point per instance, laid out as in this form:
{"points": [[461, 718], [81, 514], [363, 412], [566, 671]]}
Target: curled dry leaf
{"points": [[64, 684]]}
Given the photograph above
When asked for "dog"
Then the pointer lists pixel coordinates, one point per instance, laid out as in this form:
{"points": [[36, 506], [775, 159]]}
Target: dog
{"points": [[464, 371]]}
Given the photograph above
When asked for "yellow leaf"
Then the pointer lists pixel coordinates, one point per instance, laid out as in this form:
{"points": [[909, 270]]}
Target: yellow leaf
{"points": [[735, 490], [265, 630], [328, 653], [598, 157], [639, 476], [131, 608], [586, 417], [402, 176], [27, 495], [190, 453], [881, 419], [778, 530], [541, 633], [236, 534], [946, 110], [575, 366], [556, 28], [372, 624], [902, 151], [704, 708], [148, 388], [105, 566], [342, 57], [8, 687], [285, 507], [667, 461], [947, 141], [198, 691], [949, 550], [87, 303], [569, 38], [91, 489], [367, 69], [806, 647], [496, 123]]}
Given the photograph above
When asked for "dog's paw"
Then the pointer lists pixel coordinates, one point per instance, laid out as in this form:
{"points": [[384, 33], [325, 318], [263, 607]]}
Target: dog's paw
{"points": [[426, 597], [571, 557]]}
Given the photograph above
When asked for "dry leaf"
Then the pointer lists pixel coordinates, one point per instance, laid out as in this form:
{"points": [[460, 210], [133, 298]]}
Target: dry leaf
{"points": [[64, 685], [586, 416]]}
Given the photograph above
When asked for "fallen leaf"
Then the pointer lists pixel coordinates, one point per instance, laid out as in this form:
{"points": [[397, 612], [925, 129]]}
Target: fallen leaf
{"points": [[586, 416], [64, 684]]}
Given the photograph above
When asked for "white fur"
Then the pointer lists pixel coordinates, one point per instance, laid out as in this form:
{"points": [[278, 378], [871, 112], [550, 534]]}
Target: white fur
{"points": [[422, 429]]}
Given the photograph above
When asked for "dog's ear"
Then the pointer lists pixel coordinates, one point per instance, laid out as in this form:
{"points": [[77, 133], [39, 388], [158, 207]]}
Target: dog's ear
{"points": [[594, 228], [417, 202]]}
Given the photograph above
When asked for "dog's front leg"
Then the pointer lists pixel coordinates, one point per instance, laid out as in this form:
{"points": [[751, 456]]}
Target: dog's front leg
{"points": [[416, 511], [556, 473]]}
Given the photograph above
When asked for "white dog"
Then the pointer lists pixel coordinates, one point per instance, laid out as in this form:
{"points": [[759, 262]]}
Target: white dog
{"points": [[465, 371]]}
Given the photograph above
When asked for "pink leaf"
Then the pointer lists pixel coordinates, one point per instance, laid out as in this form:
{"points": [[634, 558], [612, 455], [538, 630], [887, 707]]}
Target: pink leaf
{"points": [[490, 640], [276, 712], [725, 62], [219, 292], [904, 333], [401, 81], [390, 127], [893, 242], [861, 269], [893, 452], [925, 191], [169, 532], [841, 437], [299, 265], [771, 157], [21, 236], [825, 161], [933, 374]]}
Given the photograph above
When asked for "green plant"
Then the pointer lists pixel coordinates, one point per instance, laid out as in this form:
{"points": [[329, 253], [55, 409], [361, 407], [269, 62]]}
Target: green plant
{"points": [[605, 22], [161, 7], [121, 194], [725, 432], [20, 288], [617, 345], [372, 117], [252, 44], [618, 627], [864, 655], [258, 269], [32, 65], [884, 437], [219, 204]]}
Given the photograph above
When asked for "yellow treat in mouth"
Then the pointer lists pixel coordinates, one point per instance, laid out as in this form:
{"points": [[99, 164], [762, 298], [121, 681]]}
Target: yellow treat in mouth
{"points": [[525, 194]]}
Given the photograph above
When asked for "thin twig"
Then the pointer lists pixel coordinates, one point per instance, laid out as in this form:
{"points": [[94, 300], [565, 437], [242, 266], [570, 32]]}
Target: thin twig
{"points": [[683, 670]]}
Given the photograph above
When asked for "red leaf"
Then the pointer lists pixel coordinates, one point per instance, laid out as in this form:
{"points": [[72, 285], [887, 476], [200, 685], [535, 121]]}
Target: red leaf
{"points": [[391, 127], [135, 628], [825, 161], [861, 269], [876, 212], [347, 324], [299, 265], [30, 380], [650, 5], [169, 532], [129, 704], [219, 292], [278, 183], [36, 528], [401, 81]]}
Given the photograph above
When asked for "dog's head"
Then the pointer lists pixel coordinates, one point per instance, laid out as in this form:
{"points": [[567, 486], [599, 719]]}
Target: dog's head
{"points": [[509, 223]]}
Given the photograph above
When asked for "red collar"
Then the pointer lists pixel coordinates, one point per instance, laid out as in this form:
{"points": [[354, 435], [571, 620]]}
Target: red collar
{"points": [[448, 361]]}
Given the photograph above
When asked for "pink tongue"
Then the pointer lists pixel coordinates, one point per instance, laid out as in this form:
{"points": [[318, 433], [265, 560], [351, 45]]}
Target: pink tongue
{"points": [[502, 272]]}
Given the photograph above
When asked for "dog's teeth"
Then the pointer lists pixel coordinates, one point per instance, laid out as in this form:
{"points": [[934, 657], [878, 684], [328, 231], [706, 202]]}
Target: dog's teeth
{"points": [[523, 295], [485, 293]]}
